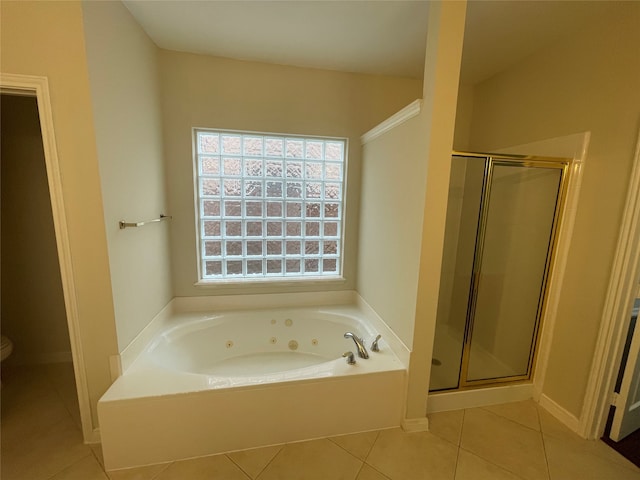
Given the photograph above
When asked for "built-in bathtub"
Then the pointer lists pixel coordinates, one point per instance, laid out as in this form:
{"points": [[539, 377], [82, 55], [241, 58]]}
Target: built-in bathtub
{"points": [[226, 378]]}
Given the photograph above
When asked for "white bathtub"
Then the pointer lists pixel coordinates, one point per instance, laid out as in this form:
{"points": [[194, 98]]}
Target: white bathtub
{"points": [[271, 345], [210, 382]]}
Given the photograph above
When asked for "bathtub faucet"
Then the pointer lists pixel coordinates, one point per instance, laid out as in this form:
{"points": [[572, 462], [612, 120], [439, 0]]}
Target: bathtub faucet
{"points": [[362, 351], [351, 360], [374, 345]]}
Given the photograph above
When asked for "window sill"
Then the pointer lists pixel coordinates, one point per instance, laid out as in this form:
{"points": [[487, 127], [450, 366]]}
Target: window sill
{"points": [[272, 282]]}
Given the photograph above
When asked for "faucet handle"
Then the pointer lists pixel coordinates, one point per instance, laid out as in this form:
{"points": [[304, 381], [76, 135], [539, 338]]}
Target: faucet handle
{"points": [[374, 345], [351, 358]]}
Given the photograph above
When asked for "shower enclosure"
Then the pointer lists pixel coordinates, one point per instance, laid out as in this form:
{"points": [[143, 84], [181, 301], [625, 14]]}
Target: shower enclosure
{"points": [[501, 227]]}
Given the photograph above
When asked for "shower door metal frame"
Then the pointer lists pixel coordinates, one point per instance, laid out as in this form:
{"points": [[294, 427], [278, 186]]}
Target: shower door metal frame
{"points": [[491, 160]]}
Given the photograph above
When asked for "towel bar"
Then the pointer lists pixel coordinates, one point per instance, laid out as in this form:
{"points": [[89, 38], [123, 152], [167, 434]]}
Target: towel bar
{"points": [[124, 224]]}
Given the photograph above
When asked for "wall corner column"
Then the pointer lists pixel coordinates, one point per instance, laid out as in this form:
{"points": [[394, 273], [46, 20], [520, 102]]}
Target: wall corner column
{"points": [[440, 92]]}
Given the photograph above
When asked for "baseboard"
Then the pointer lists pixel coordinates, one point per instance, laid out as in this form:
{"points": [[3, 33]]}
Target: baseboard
{"points": [[41, 358], [415, 424], [562, 415], [537, 392], [93, 437]]}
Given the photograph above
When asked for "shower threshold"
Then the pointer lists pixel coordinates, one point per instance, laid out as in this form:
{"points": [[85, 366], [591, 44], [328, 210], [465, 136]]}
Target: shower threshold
{"points": [[478, 397]]}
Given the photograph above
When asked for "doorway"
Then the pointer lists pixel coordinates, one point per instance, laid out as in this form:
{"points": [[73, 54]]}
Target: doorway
{"points": [[32, 306], [38, 88], [501, 230], [622, 432], [616, 365]]}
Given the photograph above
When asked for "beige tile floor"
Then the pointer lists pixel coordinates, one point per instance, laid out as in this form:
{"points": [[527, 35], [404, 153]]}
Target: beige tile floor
{"points": [[41, 440]]}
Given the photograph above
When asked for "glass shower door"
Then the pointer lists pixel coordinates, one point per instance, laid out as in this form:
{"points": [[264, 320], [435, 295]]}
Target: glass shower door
{"points": [[502, 218], [514, 254], [463, 213]]}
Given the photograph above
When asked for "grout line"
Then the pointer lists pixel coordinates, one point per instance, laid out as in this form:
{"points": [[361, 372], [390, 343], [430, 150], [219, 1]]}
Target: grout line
{"points": [[629, 464], [156, 475], [167, 465], [490, 461], [344, 449], [243, 470], [63, 469], [282, 447], [455, 469], [362, 461], [354, 456], [359, 470], [544, 451], [562, 438], [464, 416], [459, 439], [366, 456], [544, 445], [58, 391], [95, 455], [475, 454], [373, 444], [376, 470], [510, 420], [238, 465], [369, 453], [537, 407]]}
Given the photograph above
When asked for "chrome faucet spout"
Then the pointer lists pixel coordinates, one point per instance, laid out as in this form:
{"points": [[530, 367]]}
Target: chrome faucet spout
{"points": [[362, 351]]}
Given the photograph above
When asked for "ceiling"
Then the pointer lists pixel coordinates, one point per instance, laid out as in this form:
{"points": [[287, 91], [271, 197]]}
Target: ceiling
{"points": [[366, 36]]}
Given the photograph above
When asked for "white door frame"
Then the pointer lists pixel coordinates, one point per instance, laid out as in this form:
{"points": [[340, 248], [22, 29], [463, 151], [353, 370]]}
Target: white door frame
{"points": [[616, 317], [38, 87]]}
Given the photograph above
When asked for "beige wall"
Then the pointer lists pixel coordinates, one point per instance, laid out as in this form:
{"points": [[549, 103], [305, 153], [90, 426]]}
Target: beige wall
{"points": [[393, 188], [202, 91], [464, 117], [33, 312], [46, 39], [588, 82], [123, 73]]}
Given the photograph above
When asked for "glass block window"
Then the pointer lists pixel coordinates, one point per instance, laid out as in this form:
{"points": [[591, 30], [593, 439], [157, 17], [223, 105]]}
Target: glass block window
{"points": [[269, 205]]}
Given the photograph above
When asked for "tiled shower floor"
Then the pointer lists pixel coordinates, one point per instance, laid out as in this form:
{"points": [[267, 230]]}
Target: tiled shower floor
{"points": [[41, 440]]}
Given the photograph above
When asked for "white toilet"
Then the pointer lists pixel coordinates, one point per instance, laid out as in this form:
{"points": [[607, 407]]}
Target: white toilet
{"points": [[6, 348]]}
